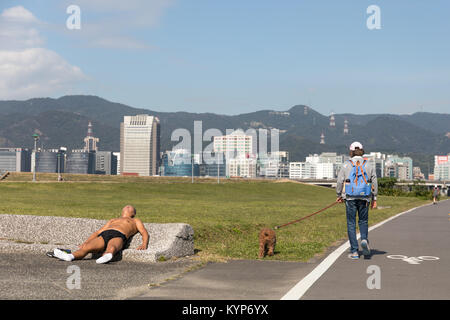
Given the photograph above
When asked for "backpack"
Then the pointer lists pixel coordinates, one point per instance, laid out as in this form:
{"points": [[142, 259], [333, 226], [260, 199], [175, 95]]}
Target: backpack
{"points": [[357, 183]]}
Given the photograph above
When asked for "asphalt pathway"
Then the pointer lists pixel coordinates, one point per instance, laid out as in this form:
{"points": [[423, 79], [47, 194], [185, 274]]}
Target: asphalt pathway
{"points": [[233, 280], [410, 260], [38, 277]]}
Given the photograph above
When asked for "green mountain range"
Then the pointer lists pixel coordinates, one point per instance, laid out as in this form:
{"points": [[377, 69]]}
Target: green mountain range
{"points": [[63, 122]]}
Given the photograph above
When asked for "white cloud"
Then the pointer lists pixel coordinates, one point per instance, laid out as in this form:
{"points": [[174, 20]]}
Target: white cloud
{"points": [[35, 72], [18, 14], [26, 68], [18, 29]]}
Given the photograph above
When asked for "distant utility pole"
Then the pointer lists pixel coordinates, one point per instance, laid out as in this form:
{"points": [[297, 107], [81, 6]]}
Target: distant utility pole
{"points": [[36, 138], [218, 169], [192, 167]]}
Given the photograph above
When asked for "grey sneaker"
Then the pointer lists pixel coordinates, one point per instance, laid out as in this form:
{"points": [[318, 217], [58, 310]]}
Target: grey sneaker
{"points": [[365, 247], [354, 256]]}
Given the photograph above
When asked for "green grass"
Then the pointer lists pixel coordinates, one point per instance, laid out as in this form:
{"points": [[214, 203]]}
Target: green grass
{"points": [[226, 217]]}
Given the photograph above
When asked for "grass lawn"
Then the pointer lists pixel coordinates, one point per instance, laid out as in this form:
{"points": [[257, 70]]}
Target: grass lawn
{"points": [[226, 217]]}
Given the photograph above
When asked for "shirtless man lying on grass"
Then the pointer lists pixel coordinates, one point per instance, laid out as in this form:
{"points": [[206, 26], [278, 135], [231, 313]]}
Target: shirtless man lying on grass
{"points": [[109, 239]]}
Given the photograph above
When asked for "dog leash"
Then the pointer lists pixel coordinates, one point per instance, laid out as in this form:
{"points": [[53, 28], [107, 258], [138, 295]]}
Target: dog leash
{"points": [[323, 209]]}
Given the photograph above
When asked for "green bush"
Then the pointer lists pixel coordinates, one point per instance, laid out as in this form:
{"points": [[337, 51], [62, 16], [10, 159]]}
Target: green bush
{"points": [[387, 187], [421, 191]]}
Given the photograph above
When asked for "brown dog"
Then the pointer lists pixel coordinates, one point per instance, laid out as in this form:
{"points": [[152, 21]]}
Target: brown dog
{"points": [[267, 241]]}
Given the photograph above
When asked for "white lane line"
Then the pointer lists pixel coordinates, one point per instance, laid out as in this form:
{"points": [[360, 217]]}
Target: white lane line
{"points": [[303, 285]]}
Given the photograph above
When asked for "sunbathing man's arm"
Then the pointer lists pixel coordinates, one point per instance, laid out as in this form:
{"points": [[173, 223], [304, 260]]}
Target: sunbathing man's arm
{"points": [[141, 229]]}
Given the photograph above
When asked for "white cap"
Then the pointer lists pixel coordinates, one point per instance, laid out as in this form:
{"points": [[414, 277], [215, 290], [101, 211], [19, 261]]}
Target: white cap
{"points": [[355, 145]]}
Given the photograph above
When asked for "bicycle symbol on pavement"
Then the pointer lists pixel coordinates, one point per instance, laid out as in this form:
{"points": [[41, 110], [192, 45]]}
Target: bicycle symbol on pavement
{"points": [[412, 260]]}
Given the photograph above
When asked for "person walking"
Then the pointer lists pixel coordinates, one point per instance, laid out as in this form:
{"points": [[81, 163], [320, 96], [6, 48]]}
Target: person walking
{"points": [[435, 194], [357, 186]]}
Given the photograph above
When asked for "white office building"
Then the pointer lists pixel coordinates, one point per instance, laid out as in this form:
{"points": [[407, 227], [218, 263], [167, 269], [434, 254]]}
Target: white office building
{"points": [[235, 144], [323, 166], [442, 167], [140, 145], [325, 171], [242, 166], [117, 155], [274, 164], [302, 170]]}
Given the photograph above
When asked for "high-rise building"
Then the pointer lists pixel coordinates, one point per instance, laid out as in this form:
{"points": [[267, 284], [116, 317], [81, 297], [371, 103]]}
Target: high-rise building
{"points": [[242, 166], [117, 157], [215, 166], [325, 170], [15, 160], [105, 163], [80, 162], [442, 167], [140, 145], [327, 157], [49, 160], [274, 165], [302, 170], [417, 174], [90, 142], [235, 144], [239, 150], [180, 163], [399, 167], [323, 166]]}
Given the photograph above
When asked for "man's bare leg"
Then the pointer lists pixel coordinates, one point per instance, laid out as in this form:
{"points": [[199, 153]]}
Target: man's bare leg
{"points": [[114, 245], [93, 246]]}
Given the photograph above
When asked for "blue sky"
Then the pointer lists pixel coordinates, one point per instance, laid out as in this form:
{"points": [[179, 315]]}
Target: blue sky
{"points": [[232, 56]]}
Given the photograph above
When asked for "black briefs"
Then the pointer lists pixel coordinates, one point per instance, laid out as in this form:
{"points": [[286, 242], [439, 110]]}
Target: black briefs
{"points": [[111, 234]]}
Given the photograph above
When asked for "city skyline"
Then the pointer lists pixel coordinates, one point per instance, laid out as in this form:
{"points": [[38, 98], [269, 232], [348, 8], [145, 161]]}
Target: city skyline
{"points": [[140, 155], [230, 58]]}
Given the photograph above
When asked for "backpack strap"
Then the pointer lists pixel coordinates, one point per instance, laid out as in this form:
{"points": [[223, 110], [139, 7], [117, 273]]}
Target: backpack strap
{"points": [[362, 171], [358, 167]]}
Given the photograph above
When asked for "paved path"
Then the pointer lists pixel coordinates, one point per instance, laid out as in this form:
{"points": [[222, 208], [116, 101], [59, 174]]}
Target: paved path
{"points": [[35, 276], [234, 280], [422, 232], [419, 237]]}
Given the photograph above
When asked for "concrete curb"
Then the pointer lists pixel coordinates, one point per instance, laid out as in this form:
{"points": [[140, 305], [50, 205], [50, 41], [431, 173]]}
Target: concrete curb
{"points": [[43, 233]]}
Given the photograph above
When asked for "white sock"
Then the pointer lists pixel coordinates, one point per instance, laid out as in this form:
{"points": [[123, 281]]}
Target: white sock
{"points": [[104, 259], [63, 255]]}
